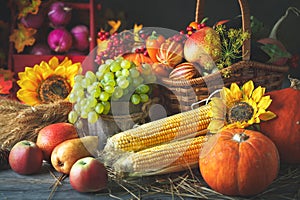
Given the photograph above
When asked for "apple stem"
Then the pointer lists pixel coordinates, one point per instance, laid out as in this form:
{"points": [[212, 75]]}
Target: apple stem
{"points": [[273, 33]]}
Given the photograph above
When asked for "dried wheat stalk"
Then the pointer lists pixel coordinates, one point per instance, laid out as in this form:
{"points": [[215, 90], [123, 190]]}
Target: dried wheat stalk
{"points": [[19, 121]]}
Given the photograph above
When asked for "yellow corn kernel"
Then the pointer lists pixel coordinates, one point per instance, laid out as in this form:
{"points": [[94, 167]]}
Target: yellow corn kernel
{"points": [[183, 125], [166, 158]]}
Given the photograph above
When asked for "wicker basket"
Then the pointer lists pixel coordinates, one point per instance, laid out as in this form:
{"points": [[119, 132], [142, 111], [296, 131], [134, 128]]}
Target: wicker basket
{"points": [[179, 95]]}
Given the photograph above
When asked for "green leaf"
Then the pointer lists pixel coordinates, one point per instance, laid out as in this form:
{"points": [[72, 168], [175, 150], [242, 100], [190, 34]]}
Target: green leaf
{"points": [[256, 25], [275, 52]]}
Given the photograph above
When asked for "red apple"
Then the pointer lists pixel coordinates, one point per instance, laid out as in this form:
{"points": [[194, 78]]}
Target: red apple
{"points": [[88, 175], [203, 47], [52, 135], [25, 157]]}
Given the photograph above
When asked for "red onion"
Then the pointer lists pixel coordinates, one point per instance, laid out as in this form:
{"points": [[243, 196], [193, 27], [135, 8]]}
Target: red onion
{"points": [[40, 49], [60, 40], [33, 20], [59, 14], [81, 37]]}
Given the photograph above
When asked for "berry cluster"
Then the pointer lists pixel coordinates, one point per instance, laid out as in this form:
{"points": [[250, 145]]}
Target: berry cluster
{"points": [[192, 28], [180, 37], [103, 35], [120, 44]]}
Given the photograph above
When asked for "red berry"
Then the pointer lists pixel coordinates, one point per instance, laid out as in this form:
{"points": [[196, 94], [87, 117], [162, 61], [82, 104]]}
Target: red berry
{"points": [[182, 32], [189, 28]]}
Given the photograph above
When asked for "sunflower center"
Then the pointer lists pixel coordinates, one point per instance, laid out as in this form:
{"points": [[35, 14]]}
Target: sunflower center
{"points": [[54, 88], [240, 112]]}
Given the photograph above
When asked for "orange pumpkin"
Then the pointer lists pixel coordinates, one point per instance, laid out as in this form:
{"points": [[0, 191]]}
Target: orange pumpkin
{"points": [[137, 58], [284, 130], [161, 70], [239, 162], [170, 53]]}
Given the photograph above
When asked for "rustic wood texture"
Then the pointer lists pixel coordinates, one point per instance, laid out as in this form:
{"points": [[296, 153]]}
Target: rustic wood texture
{"points": [[14, 186]]}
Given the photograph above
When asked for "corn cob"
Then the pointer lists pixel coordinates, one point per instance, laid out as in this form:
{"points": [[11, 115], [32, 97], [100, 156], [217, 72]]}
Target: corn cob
{"points": [[165, 158], [183, 125]]}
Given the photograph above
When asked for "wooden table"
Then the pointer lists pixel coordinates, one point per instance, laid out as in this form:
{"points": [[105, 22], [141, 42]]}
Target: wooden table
{"points": [[38, 186]]}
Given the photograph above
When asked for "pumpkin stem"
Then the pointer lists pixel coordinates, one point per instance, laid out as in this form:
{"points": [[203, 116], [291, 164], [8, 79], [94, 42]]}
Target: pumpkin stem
{"points": [[240, 137], [295, 83], [273, 33], [154, 35]]}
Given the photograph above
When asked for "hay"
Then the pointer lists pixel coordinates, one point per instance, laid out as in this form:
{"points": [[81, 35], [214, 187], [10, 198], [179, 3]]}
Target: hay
{"points": [[19, 121], [190, 184]]}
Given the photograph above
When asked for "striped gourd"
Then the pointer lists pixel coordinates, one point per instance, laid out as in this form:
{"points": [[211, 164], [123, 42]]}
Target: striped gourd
{"points": [[165, 158], [182, 125], [170, 53]]}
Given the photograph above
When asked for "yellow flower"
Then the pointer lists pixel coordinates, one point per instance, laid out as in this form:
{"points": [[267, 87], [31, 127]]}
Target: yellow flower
{"points": [[239, 107], [47, 82]]}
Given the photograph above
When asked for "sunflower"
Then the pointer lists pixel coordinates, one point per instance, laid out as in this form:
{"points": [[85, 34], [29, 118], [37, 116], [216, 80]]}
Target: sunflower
{"points": [[239, 107], [47, 82]]}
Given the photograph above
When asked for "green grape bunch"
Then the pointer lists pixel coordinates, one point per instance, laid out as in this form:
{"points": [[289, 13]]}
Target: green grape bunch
{"points": [[114, 80]]}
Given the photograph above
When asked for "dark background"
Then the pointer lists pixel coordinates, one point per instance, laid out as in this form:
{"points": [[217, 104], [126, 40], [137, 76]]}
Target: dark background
{"points": [[177, 14]]}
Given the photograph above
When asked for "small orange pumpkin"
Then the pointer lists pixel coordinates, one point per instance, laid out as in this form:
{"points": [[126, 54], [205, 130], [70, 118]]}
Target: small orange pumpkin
{"points": [[137, 58], [170, 53], [161, 70], [284, 130], [239, 162]]}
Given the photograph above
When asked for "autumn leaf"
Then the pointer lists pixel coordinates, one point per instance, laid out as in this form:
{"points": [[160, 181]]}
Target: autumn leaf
{"points": [[22, 37], [8, 75], [115, 25], [26, 7], [136, 29], [6, 81], [101, 45]]}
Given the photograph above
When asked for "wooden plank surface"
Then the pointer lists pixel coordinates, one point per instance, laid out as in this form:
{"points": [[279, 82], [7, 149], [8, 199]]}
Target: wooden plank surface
{"points": [[38, 186]]}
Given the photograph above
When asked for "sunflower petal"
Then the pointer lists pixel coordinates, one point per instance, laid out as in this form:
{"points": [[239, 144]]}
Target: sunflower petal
{"points": [[61, 71], [218, 112], [38, 71], [218, 108], [267, 116], [33, 76], [248, 88], [215, 101], [257, 94], [27, 97], [74, 68], [236, 92], [66, 62], [28, 85], [46, 73], [226, 95], [265, 102], [22, 75], [215, 125], [53, 62], [28, 69], [44, 65]]}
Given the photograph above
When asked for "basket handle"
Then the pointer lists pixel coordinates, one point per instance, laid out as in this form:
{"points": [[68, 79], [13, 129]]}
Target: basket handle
{"points": [[245, 12]]}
